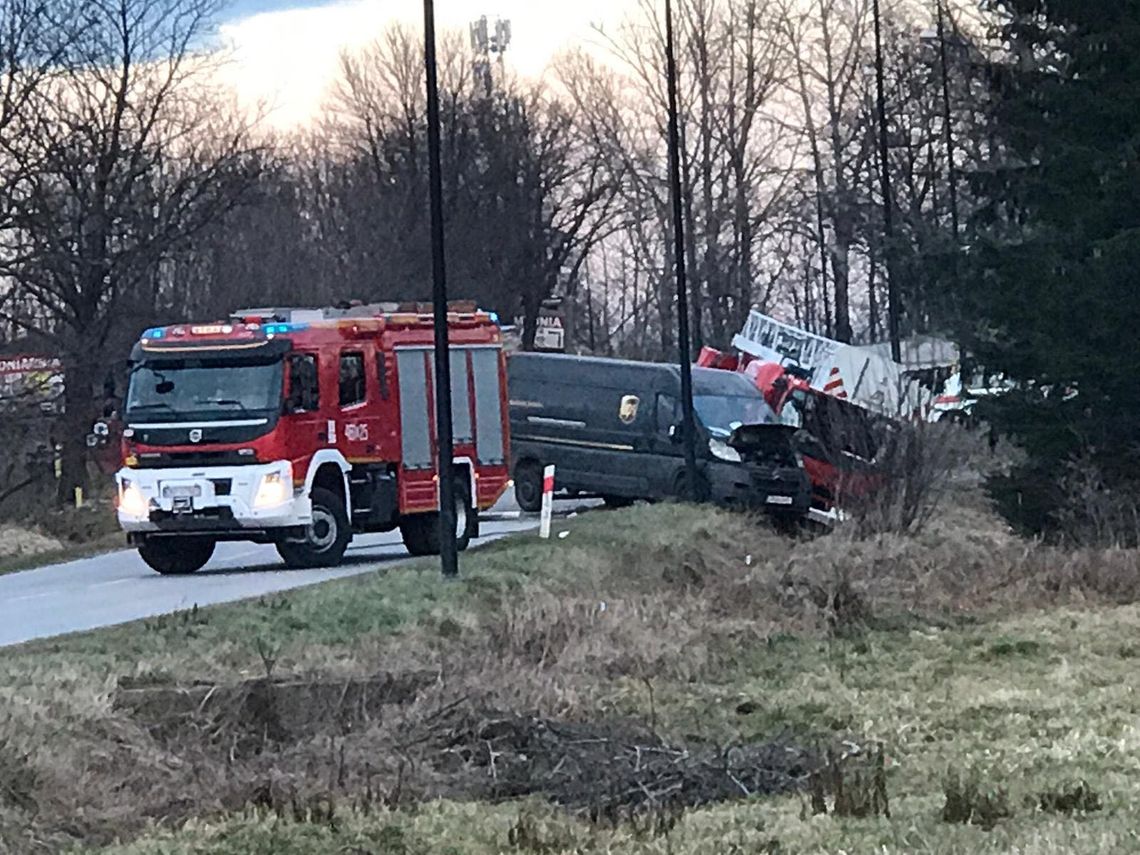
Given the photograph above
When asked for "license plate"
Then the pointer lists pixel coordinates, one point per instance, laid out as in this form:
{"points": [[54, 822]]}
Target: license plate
{"points": [[208, 329], [179, 491], [183, 505], [779, 500]]}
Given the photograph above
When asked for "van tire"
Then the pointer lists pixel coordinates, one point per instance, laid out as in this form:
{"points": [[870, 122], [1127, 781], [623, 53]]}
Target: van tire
{"points": [[176, 556], [326, 539], [528, 486], [617, 503], [421, 531], [682, 492]]}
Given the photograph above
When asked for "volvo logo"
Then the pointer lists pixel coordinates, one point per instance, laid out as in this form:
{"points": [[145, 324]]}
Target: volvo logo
{"points": [[196, 435]]}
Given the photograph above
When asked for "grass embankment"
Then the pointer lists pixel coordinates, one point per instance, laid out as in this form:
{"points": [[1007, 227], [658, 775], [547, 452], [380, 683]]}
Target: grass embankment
{"points": [[400, 709], [59, 535]]}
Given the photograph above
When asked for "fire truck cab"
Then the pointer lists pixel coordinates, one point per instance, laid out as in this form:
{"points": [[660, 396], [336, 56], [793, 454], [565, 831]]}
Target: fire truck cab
{"points": [[300, 428]]}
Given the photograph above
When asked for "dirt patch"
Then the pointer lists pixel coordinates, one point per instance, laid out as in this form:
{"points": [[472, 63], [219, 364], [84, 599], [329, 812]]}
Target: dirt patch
{"points": [[285, 742], [608, 768], [250, 717]]}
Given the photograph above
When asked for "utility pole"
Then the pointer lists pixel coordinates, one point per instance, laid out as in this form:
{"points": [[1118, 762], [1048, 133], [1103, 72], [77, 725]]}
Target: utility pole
{"points": [[888, 202], [448, 552], [947, 118], [688, 425]]}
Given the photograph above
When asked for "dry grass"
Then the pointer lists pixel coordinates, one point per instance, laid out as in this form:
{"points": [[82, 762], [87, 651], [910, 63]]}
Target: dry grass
{"points": [[950, 647], [19, 543]]}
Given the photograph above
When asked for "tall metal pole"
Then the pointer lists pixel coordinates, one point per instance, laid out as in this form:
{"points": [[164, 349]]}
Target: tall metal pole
{"points": [[888, 202], [947, 118], [449, 555], [688, 425]]}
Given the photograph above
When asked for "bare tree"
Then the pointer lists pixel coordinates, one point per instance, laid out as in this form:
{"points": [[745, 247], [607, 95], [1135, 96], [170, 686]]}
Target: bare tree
{"points": [[132, 159]]}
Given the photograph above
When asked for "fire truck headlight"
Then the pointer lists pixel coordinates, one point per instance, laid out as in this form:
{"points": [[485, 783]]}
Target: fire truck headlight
{"points": [[132, 502], [276, 488]]}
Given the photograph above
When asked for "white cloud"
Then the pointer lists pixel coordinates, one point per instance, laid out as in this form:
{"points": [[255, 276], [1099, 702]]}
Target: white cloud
{"points": [[288, 59]]}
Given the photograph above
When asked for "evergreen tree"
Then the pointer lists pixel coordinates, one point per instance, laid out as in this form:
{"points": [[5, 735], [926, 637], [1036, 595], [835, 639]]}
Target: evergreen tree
{"points": [[1051, 300]]}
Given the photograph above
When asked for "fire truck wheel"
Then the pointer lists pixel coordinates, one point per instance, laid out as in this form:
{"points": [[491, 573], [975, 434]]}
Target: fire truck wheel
{"points": [[176, 556], [326, 539], [421, 531], [528, 486]]}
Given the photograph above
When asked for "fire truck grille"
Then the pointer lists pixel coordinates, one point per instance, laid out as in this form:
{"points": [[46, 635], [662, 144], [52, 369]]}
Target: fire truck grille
{"points": [[166, 460]]}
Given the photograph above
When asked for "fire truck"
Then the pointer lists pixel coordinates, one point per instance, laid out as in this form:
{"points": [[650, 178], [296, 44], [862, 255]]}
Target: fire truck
{"points": [[303, 427]]}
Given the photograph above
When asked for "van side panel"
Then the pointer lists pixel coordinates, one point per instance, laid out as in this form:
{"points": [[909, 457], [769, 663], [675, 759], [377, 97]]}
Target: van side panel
{"points": [[597, 424]]}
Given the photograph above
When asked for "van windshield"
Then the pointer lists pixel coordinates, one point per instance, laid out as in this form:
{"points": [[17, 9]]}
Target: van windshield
{"points": [[722, 414]]}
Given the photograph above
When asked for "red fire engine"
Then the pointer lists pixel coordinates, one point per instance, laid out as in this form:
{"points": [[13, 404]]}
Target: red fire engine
{"points": [[302, 427]]}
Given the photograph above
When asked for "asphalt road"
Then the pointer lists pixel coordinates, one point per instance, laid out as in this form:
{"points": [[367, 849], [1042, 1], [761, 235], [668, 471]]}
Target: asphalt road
{"points": [[117, 587]]}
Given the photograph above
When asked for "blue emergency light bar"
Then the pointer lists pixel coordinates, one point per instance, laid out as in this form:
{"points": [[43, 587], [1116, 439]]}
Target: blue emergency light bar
{"points": [[283, 329], [157, 332]]}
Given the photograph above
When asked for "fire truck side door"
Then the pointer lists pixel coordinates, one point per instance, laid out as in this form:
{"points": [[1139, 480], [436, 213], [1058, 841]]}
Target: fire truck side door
{"points": [[357, 398], [308, 429]]}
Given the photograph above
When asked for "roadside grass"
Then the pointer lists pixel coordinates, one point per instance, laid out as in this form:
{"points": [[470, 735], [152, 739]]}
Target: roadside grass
{"points": [[60, 535], [971, 657], [940, 701], [89, 549]]}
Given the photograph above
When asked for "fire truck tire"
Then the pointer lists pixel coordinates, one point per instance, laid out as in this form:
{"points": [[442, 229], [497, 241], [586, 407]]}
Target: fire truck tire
{"points": [[528, 486], [327, 538], [176, 556], [421, 531]]}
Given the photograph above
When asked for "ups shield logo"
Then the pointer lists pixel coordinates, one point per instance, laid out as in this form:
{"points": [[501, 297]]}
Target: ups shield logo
{"points": [[628, 410]]}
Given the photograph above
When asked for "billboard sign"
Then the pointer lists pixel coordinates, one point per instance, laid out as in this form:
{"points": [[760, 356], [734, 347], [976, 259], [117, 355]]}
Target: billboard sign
{"points": [[31, 379]]}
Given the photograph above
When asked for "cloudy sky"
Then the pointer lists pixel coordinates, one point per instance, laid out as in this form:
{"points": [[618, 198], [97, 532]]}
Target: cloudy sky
{"points": [[285, 51]]}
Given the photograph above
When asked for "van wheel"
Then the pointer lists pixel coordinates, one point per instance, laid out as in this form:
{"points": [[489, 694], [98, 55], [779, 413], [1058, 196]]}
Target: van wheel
{"points": [[528, 486], [421, 531], [683, 491], [326, 538], [617, 502], [176, 556]]}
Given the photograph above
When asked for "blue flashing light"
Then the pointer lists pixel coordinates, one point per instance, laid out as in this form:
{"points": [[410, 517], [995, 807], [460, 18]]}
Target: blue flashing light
{"points": [[154, 333], [494, 316], [283, 329]]}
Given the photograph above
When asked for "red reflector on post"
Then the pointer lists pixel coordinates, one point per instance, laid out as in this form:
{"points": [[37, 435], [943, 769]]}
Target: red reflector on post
{"points": [[547, 502]]}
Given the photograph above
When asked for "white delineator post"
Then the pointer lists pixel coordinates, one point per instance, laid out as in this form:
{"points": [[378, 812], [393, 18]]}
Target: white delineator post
{"points": [[547, 502]]}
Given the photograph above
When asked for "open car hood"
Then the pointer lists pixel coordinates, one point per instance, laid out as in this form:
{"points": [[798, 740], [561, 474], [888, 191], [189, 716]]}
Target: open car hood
{"points": [[762, 438]]}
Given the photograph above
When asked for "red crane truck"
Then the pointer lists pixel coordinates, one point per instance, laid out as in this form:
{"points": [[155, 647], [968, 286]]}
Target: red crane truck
{"points": [[301, 427]]}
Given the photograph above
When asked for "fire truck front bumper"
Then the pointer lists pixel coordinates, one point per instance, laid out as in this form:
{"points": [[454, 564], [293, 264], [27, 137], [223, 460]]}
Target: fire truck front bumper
{"points": [[235, 502]]}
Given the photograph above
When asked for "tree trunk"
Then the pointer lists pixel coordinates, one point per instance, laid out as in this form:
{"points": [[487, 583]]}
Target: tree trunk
{"points": [[74, 425], [841, 273]]}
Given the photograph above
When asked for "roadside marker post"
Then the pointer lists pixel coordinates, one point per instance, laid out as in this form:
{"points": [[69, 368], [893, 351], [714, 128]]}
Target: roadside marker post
{"points": [[547, 502]]}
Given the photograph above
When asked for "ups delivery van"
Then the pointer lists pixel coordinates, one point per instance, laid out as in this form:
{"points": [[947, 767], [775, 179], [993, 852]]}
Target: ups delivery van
{"points": [[613, 429]]}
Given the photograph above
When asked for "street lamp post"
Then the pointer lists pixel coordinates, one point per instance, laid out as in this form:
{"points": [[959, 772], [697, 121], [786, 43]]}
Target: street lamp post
{"points": [[688, 424], [888, 202], [448, 551]]}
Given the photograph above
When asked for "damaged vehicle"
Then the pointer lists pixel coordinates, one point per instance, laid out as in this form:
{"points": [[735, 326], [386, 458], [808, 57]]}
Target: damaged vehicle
{"points": [[613, 428]]}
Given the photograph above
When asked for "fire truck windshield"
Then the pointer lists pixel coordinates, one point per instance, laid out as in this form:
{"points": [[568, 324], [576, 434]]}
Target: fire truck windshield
{"points": [[721, 414], [193, 390]]}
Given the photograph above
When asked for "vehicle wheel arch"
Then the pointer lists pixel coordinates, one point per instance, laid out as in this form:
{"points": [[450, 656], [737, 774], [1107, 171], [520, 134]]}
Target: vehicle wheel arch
{"points": [[329, 470]]}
